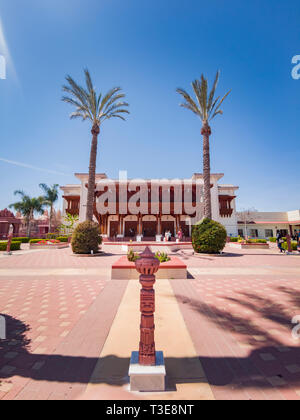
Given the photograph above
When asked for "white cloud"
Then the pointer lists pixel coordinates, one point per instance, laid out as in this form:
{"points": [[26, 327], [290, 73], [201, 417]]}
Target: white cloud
{"points": [[35, 168]]}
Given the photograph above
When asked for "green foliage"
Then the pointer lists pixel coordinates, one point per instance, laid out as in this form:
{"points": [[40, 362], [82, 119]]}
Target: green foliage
{"points": [[35, 241], [293, 243], [209, 237], [15, 246], [22, 240], [257, 241], [233, 239], [52, 235], [132, 256], [70, 222], [50, 194], [86, 238], [162, 257], [206, 106], [89, 105], [272, 240], [28, 206], [62, 238]]}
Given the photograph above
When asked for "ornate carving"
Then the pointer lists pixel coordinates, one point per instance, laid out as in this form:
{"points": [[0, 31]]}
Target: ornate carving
{"points": [[6, 213], [147, 265]]}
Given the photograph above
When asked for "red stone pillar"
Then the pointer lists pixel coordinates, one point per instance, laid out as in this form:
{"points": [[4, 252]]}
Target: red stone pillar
{"points": [[147, 265], [289, 243]]}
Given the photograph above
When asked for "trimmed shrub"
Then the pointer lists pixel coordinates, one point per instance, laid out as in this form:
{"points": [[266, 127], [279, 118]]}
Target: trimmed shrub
{"points": [[22, 240], [62, 238], [233, 239], [272, 240], [209, 237], [256, 241], [52, 235], [86, 238], [294, 246], [15, 246], [35, 241]]}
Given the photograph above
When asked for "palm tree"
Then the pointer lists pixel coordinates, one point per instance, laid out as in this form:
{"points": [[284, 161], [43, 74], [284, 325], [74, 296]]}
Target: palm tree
{"points": [[97, 109], [28, 207], [207, 108], [50, 198]]}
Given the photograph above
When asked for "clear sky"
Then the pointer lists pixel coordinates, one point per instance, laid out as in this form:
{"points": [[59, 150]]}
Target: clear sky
{"points": [[150, 48]]}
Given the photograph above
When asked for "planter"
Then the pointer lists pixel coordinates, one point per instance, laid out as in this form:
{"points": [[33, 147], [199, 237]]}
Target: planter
{"points": [[125, 270], [242, 245], [99, 254], [49, 246]]}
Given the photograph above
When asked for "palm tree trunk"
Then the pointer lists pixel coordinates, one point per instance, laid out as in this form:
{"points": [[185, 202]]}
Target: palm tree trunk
{"points": [[29, 223], [92, 173], [206, 132]]}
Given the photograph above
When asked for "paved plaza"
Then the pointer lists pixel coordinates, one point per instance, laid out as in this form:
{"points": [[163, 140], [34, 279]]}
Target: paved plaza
{"points": [[226, 331]]}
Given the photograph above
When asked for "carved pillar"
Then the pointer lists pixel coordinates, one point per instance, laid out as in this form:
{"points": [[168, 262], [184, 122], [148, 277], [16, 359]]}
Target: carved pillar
{"points": [[147, 265], [289, 243], [10, 236]]}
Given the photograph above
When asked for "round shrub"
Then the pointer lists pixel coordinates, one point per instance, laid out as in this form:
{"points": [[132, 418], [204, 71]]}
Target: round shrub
{"points": [[209, 237], [86, 238], [293, 243]]}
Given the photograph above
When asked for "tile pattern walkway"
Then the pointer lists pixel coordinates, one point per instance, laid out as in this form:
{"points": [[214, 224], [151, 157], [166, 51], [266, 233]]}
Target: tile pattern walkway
{"points": [[237, 309]]}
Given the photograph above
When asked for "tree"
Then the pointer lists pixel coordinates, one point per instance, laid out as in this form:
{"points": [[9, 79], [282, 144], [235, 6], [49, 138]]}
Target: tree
{"points": [[97, 109], [207, 107], [50, 198], [28, 207]]}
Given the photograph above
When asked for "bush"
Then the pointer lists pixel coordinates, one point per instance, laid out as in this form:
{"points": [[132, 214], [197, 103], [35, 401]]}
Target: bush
{"points": [[162, 257], [52, 235], [15, 246], [62, 238], [256, 241], [132, 257], [233, 239], [22, 240], [86, 238], [209, 237], [272, 240], [294, 246], [35, 241]]}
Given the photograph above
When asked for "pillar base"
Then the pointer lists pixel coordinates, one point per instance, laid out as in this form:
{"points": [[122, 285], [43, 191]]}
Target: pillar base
{"points": [[7, 253], [147, 378]]}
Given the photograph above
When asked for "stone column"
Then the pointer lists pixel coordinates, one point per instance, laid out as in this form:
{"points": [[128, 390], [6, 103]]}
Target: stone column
{"points": [[289, 243]]}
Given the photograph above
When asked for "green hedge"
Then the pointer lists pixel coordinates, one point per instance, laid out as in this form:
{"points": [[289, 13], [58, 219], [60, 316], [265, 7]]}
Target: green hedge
{"points": [[35, 241], [233, 239], [62, 238], [294, 246], [22, 240], [272, 240], [52, 235], [15, 246], [257, 241], [209, 237]]}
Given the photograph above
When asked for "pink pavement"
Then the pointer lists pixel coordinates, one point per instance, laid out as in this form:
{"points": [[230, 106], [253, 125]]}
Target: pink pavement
{"points": [[240, 324]]}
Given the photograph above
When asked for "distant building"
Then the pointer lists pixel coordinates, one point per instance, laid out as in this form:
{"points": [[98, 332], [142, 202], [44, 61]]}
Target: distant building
{"points": [[152, 223]]}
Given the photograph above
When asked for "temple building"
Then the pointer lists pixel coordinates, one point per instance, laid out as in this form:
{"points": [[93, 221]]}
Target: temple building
{"points": [[166, 205]]}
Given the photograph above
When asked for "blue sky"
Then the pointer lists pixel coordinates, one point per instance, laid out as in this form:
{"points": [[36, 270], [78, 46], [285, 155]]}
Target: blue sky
{"points": [[150, 48]]}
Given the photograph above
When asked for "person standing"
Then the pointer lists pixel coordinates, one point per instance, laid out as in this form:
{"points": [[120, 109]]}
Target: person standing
{"points": [[180, 235], [279, 241]]}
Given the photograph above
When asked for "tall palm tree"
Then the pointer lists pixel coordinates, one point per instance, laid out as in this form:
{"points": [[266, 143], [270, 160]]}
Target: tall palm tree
{"points": [[97, 109], [50, 198], [206, 107], [28, 206]]}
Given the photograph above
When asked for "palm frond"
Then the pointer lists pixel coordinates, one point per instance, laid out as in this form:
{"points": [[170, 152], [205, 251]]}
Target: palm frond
{"points": [[213, 91]]}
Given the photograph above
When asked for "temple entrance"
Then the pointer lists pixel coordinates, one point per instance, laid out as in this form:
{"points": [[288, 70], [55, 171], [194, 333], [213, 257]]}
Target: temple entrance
{"points": [[185, 229], [167, 226], [131, 229], [149, 229], [113, 229]]}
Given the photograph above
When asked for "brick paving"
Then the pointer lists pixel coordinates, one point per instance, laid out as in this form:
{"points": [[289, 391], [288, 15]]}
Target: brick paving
{"points": [[240, 324]]}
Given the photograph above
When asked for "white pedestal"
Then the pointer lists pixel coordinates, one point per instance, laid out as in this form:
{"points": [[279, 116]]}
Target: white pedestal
{"points": [[139, 238], [158, 238], [120, 236], [147, 378]]}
